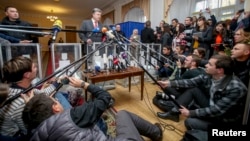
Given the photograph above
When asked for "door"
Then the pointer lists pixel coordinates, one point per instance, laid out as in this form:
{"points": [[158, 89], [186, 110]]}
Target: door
{"points": [[71, 36]]}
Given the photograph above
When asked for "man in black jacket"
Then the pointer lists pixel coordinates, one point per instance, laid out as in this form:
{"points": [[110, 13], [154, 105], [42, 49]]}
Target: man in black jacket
{"points": [[12, 18], [240, 54], [147, 34], [188, 33]]}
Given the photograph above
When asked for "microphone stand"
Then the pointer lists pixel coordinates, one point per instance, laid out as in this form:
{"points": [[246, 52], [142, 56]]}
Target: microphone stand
{"points": [[25, 31], [62, 70], [149, 62], [155, 81], [41, 28]]}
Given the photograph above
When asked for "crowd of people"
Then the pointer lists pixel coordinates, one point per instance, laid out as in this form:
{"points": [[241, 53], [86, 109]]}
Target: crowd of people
{"points": [[211, 82], [204, 66]]}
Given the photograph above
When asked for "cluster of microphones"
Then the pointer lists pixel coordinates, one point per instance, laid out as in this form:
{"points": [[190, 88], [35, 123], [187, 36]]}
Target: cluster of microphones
{"points": [[115, 63]]}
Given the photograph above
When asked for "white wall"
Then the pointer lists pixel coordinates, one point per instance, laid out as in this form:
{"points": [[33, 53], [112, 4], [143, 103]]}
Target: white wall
{"points": [[156, 12], [180, 9]]}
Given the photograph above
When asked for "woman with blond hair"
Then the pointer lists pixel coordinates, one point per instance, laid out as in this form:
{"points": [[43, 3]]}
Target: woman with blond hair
{"points": [[241, 36], [133, 40]]}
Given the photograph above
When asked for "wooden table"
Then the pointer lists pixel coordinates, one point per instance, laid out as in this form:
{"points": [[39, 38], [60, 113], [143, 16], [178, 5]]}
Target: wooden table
{"points": [[129, 72]]}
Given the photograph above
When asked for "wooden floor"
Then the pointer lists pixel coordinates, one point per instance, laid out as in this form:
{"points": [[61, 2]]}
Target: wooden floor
{"points": [[130, 101]]}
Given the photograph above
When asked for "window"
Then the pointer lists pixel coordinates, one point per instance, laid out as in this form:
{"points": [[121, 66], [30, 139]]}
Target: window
{"points": [[225, 3], [135, 14], [222, 9], [213, 4], [200, 6]]}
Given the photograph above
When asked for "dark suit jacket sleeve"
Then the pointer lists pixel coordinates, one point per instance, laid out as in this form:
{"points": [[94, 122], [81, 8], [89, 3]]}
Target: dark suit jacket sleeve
{"points": [[83, 27]]}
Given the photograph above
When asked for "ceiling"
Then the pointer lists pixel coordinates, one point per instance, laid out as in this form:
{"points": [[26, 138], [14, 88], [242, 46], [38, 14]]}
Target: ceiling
{"points": [[61, 8]]}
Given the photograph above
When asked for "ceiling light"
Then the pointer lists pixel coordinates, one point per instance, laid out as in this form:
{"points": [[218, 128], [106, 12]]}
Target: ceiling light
{"points": [[52, 17]]}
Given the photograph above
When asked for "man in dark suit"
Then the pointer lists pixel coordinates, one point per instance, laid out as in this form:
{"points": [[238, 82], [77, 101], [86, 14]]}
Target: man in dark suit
{"points": [[93, 31]]}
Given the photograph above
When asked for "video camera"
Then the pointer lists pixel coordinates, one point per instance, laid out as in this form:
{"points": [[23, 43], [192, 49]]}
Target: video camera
{"points": [[158, 30]]}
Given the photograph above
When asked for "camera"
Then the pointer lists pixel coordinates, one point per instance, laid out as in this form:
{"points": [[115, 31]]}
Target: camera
{"points": [[158, 30], [228, 42], [176, 58], [65, 81]]}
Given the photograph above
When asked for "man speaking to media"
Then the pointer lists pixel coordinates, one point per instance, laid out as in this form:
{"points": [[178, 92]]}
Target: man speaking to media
{"points": [[92, 31]]}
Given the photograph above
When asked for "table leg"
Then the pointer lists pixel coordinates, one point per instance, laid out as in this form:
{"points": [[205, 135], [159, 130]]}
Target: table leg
{"points": [[129, 83], [142, 85]]}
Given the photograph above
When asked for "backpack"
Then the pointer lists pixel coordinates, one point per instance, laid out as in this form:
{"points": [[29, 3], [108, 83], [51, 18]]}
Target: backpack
{"points": [[195, 135]]}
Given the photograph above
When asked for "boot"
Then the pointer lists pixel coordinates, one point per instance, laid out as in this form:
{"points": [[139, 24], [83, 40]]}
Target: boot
{"points": [[158, 137], [163, 104], [171, 115]]}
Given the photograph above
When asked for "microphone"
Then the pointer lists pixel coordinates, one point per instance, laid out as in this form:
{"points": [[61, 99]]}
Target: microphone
{"points": [[125, 57], [57, 26], [110, 60], [117, 63], [95, 30], [97, 69], [110, 34], [115, 33]]}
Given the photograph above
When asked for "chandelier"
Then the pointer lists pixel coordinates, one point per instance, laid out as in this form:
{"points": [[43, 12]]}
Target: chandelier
{"points": [[51, 17]]}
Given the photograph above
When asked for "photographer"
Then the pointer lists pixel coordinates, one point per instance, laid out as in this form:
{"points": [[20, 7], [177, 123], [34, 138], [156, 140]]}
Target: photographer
{"points": [[158, 32], [245, 22]]}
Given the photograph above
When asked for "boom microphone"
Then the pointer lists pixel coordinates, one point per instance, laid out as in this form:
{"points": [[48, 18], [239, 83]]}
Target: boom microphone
{"points": [[57, 26]]}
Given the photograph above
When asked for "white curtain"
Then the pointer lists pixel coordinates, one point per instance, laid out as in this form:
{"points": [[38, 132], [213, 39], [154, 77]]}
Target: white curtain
{"points": [[135, 14]]}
